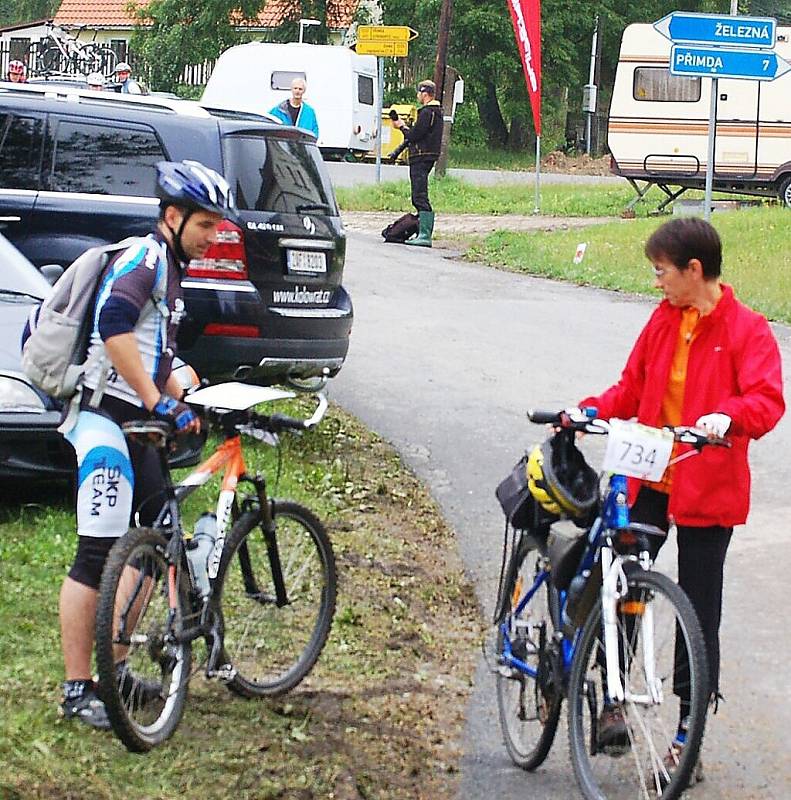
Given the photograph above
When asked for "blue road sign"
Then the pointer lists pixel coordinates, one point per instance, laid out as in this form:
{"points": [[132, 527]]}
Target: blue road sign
{"points": [[720, 62], [716, 29]]}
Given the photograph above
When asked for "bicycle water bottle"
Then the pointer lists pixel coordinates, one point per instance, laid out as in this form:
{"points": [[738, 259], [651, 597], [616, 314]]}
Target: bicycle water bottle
{"points": [[199, 548]]}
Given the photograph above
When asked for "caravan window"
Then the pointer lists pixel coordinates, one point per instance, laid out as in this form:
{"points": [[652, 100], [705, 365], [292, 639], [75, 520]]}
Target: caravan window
{"points": [[282, 80], [365, 90], [658, 85]]}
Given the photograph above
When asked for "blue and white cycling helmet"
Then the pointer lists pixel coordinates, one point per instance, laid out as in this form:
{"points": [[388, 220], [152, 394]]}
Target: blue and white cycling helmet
{"points": [[191, 185]]}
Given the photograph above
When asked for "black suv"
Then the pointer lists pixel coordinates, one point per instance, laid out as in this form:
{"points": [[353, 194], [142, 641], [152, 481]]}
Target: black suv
{"points": [[266, 303]]}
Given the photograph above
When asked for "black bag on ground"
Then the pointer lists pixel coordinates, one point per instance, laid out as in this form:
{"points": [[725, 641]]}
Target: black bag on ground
{"points": [[402, 229]]}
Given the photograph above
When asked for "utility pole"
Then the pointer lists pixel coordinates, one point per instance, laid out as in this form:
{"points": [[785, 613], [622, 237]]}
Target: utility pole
{"points": [[440, 68]]}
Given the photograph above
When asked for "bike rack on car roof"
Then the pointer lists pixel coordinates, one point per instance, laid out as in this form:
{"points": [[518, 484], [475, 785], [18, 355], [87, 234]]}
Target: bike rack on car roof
{"points": [[74, 94]]}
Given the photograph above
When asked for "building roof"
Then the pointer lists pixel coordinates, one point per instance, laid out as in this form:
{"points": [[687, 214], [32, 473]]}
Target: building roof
{"points": [[96, 13], [20, 26], [115, 13]]}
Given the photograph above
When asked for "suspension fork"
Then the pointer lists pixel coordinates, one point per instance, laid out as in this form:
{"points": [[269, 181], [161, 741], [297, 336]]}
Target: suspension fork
{"points": [[615, 588], [270, 537], [612, 573]]}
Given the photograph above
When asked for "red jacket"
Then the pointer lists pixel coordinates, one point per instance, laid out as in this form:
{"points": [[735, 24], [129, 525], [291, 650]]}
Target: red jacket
{"points": [[734, 368]]}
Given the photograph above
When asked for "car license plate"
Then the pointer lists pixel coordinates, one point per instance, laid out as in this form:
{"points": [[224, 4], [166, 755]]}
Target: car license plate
{"points": [[309, 261]]}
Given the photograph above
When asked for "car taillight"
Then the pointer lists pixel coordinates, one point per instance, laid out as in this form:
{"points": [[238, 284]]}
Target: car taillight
{"points": [[225, 258]]}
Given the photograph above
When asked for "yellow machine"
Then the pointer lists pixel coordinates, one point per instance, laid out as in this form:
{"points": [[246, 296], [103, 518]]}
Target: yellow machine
{"points": [[392, 137]]}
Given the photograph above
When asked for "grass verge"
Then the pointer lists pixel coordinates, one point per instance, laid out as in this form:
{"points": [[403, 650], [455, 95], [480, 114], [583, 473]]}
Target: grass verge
{"points": [[378, 718], [454, 196], [756, 257]]}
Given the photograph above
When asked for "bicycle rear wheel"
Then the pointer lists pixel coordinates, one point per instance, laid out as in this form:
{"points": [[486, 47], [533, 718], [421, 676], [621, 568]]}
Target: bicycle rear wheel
{"points": [[51, 59], [529, 708], [273, 647], [640, 767], [143, 669]]}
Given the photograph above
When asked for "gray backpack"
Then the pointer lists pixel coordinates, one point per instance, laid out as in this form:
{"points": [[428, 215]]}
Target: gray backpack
{"points": [[54, 357]]}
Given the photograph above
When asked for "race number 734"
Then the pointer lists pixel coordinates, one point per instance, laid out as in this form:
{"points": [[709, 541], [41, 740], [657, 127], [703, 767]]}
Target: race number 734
{"points": [[636, 450]]}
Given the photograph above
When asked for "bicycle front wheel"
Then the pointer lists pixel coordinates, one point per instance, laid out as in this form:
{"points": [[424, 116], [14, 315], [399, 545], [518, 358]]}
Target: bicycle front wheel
{"points": [[272, 642], [529, 707], [661, 659], [143, 667]]}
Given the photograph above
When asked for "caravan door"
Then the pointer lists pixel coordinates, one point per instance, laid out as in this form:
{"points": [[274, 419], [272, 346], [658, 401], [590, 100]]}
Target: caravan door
{"points": [[364, 111], [736, 137]]}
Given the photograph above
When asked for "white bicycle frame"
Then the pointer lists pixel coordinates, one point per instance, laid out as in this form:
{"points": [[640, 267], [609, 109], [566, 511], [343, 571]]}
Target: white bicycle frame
{"points": [[614, 588]]}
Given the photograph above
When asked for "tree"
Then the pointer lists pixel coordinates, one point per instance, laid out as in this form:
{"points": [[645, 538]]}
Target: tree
{"points": [[174, 33], [13, 11]]}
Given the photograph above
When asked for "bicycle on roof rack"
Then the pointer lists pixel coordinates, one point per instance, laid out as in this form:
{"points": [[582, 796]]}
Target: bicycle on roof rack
{"points": [[586, 618], [66, 54]]}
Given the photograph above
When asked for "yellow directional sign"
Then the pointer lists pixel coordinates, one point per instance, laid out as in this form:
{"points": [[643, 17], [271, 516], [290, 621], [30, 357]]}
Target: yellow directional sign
{"points": [[386, 48], [385, 33]]}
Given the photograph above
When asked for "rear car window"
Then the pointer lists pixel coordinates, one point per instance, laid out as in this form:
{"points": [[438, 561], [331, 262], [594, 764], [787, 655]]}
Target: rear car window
{"points": [[282, 175], [20, 151], [105, 159]]}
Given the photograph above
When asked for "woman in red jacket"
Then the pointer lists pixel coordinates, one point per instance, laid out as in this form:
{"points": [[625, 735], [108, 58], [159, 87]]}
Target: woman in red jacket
{"points": [[703, 359]]}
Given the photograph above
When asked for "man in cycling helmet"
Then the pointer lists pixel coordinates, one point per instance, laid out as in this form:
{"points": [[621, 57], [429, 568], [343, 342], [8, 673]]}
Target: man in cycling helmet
{"points": [[125, 83], [95, 81], [703, 359], [137, 311], [16, 72]]}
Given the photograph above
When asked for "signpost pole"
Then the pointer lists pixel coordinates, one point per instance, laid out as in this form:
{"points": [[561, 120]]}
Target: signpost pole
{"points": [[537, 206], [710, 150], [381, 66]]}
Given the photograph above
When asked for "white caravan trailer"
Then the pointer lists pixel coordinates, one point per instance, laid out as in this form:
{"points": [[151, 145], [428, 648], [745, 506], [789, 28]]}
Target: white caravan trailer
{"points": [[658, 125], [342, 87]]}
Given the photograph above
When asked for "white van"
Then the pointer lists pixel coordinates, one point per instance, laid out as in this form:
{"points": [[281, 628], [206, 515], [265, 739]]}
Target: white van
{"points": [[342, 88], [658, 125]]}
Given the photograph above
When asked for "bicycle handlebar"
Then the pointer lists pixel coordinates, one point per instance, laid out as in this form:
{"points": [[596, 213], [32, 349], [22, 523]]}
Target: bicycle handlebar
{"points": [[586, 421], [275, 423]]}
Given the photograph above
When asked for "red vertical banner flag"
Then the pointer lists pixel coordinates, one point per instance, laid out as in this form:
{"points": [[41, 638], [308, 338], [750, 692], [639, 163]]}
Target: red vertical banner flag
{"points": [[526, 16]]}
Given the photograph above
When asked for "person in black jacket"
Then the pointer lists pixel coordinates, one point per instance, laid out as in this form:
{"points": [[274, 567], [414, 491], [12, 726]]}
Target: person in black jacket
{"points": [[424, 140]]}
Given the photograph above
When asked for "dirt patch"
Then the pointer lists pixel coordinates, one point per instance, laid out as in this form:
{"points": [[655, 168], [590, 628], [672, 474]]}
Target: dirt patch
{"points": [[558, 161]]}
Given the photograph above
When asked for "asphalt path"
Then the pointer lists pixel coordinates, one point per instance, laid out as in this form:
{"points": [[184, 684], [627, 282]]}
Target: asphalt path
{"points": [[445, 358], [361, 174]]}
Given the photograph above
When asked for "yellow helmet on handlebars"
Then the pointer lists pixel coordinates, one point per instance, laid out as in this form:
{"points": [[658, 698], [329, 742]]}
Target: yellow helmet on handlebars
{"points": [[560, 479]]}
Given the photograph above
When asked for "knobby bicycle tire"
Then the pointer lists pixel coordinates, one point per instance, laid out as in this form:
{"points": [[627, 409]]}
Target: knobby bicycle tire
{"points": [[273, 648], [145, 701], [637, 767], [528, 714]]}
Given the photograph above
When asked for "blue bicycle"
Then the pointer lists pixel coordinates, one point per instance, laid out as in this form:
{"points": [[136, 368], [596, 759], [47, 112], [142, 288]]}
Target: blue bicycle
{"points": [[586, 618]]}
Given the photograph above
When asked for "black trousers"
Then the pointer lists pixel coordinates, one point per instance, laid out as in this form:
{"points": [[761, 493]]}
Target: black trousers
{"points": [[701, 557], [418, 179]]}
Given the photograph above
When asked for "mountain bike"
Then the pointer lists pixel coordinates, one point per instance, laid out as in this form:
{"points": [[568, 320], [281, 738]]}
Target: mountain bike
{"points": [[68, 54], [261, 595], [589, 620]]}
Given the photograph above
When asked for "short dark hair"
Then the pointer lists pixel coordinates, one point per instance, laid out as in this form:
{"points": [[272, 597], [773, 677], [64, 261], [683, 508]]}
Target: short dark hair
{"points": [[682, 239], [429, 87]]}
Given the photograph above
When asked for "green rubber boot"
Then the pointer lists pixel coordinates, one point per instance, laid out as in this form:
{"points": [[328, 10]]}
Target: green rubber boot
{"points": [[423, 238]]}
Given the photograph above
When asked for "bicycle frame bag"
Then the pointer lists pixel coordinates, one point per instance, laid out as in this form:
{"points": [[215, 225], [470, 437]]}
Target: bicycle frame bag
{"points": [[54, 355], [402, 229]]}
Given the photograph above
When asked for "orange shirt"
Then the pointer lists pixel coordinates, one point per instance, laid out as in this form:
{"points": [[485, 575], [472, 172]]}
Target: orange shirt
{"points": [[673, 400]]}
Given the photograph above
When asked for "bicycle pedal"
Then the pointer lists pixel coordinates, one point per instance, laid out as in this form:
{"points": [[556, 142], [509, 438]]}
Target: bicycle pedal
{"points": [[225, 673]]}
